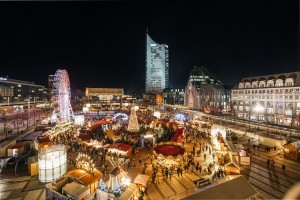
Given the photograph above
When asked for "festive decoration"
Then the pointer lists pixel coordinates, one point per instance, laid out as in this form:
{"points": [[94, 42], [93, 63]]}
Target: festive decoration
{"points": [[133, 125], [62, 95], [123, 116], [85, 162], [117, 190], [180, 117], [102, 186]]}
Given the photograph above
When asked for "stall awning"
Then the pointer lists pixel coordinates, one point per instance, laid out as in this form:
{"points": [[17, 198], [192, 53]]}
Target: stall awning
{"points": [[141, 179], [76, 189], [129, 192], [227, 190]]}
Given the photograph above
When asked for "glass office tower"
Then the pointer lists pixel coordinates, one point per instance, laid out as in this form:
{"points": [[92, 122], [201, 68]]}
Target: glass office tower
{"points": [[157, 66]]}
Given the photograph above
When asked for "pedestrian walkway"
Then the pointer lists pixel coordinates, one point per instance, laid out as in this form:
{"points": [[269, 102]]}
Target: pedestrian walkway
{"points": [[271, 183]]}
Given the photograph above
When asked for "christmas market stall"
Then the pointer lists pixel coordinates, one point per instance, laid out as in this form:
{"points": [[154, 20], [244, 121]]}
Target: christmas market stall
{"points": [[18, 148], [42, 142], [230, 165], [147, 140], [292, 151], [131, 193], [141, 181], [120, 149]]}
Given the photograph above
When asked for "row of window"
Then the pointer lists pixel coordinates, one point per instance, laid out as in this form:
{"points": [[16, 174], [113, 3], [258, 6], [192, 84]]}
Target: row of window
{"points": [[269, 83], [279, 91], [266, 97]]}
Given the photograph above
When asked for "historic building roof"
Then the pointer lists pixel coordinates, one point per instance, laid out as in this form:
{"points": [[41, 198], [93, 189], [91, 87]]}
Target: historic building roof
{"points": [[273, 80]]}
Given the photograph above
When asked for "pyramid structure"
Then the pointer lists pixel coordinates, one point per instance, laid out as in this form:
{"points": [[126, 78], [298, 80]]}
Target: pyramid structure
{"points": [[133, 125]]}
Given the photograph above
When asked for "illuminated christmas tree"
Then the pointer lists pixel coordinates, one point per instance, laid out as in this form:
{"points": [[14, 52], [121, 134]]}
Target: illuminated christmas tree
{"points": [[103, 186], [133, 125], [117, 190]]}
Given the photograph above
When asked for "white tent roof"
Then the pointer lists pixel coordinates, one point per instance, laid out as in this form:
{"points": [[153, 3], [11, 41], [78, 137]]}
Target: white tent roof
{"points": [[141, 179], [129, 192], [227, 190]]}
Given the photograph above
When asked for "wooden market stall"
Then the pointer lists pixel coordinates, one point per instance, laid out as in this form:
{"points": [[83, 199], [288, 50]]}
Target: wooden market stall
{"points": [[90, 180], [292, 151], [120, 149]]}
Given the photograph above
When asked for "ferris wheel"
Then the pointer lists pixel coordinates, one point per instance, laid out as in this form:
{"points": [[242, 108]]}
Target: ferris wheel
{"points": [[62, 95]]}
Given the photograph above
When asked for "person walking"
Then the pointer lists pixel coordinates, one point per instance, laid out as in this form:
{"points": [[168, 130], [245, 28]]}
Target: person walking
{"points": [[268, 162], [272, 164], [283, 168]]}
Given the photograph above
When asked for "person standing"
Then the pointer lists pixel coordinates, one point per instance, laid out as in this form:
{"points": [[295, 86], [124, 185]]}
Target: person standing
{"points": [[272, 164], [268, 162], [283, 168]]}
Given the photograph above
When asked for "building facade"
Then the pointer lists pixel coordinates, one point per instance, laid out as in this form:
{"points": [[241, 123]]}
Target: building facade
{"points": [[157, 66], [206, 93], [174, 96], [103, 97], [16, 93], [271, 98]]}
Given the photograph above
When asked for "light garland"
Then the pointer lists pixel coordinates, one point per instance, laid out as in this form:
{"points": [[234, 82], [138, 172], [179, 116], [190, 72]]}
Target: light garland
{"points": [[84, 161]]}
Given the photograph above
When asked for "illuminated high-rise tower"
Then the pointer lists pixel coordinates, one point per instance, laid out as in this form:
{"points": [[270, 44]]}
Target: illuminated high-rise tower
{"points": [[157, 65]]}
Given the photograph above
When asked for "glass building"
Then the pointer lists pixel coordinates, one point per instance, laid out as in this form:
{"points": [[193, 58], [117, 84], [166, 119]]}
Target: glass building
{"points": [[16, 92], [157, 66]]}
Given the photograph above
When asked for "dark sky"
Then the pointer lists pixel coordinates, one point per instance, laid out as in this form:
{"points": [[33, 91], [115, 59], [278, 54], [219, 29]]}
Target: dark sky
{"points": [[102, 44]]}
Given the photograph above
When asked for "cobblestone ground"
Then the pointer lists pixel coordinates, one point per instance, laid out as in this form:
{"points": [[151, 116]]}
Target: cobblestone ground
{"points": [[176, 187], [271, 184]]}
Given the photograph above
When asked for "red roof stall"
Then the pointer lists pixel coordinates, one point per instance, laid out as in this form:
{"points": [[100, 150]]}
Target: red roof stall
{"points": [[120, 148]]}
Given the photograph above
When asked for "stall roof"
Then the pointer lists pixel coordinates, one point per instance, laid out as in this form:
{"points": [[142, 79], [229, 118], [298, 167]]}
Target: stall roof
{"points": [[115, 172], [141, 179], [120, 146], [239, 146], [128, 192], [295, 145], [85, 137], [19, 145], [85, 177], [75, 189], [43, 139], [227, 190]]}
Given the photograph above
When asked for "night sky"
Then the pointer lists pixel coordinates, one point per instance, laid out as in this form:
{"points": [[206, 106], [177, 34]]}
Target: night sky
{"points": [[102, 44]]}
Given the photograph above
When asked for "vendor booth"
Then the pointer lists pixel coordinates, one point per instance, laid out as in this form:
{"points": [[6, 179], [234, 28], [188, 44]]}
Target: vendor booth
{"points": [[131, 193], [33, 165], [147, 140], [18, 148], [88, 179], [42, 142], [76, 191], [292, 151], [244, 158], [120, 149]]}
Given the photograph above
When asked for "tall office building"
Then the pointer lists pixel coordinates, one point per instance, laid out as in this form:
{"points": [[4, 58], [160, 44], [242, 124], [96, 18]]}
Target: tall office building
{"points": [[157, 66]]}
